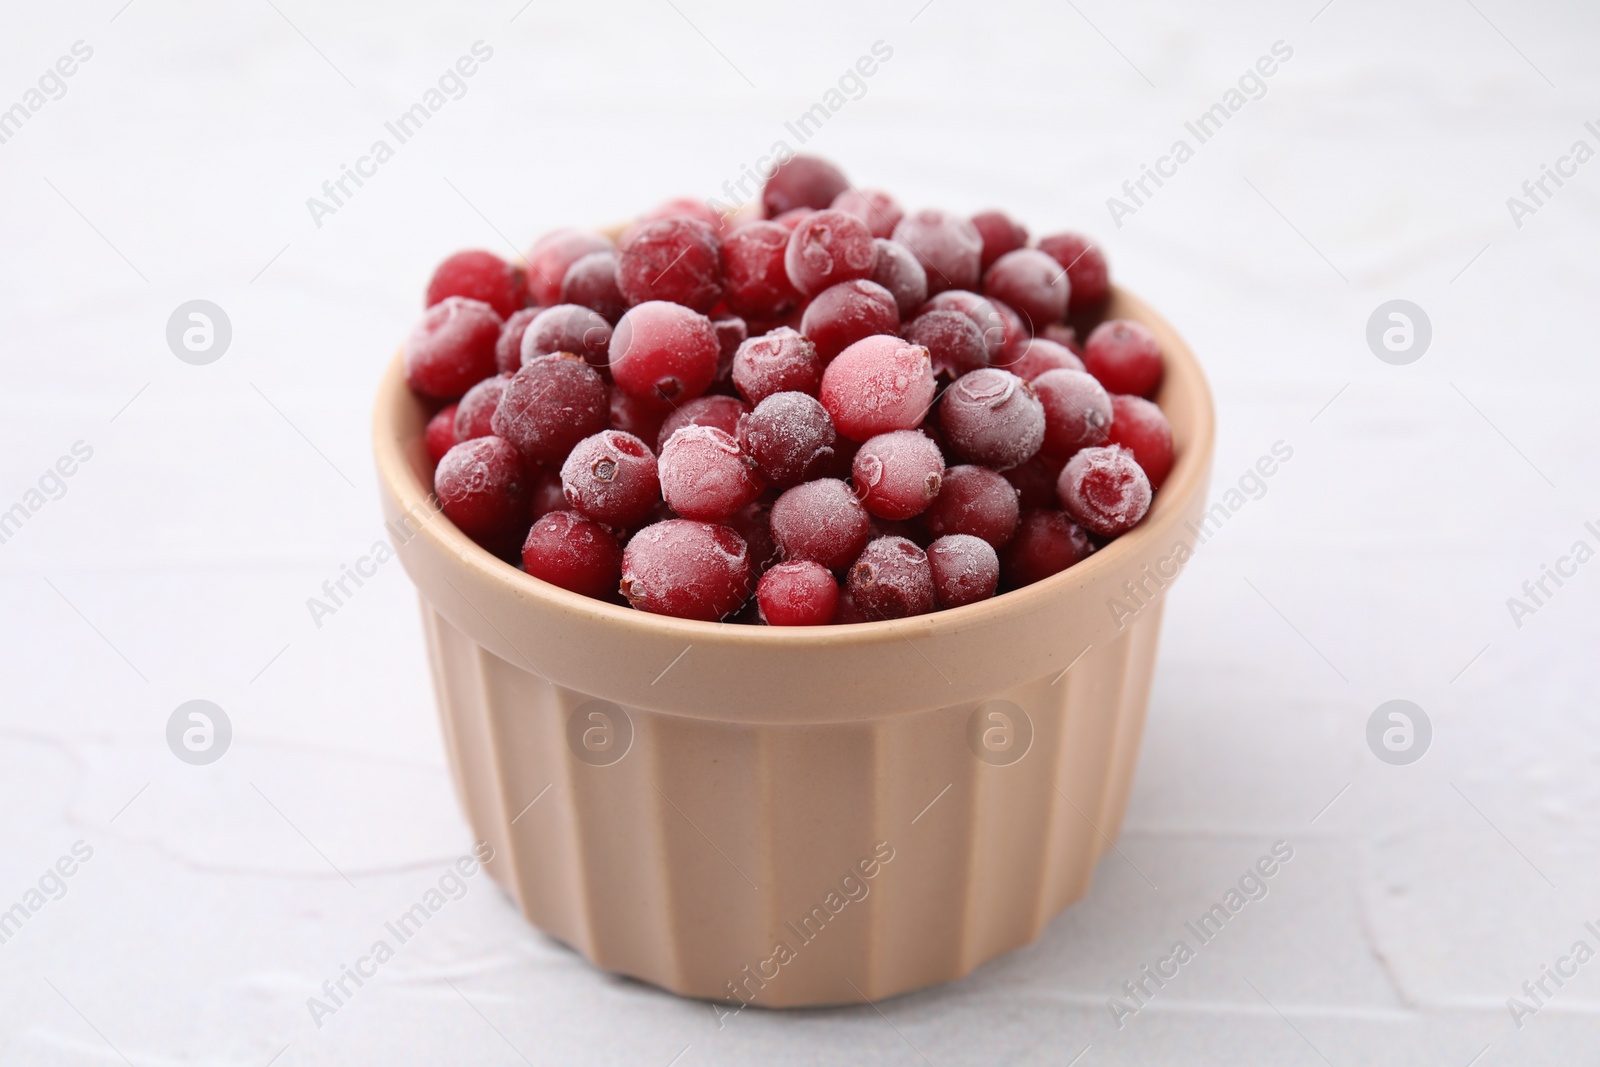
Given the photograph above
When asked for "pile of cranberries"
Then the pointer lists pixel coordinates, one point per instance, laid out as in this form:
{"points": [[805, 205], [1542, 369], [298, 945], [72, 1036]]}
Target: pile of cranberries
{"points": [[829, 411]]}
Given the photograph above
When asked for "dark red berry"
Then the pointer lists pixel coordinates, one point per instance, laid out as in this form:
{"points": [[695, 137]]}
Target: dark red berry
{"points": [[897, 475], [843, 314], [1141, 428], [548, 495], [481, 276], [483, 488], [452, 348], [591, 282], [1031, 283], [439, 436], [965, 570], [948, 246], [821, 521], [611, 478], [802, 182], [1077, 412], [553, 255], [992, 417], [984, 313], [732, 331], [976, 501], [1062, 334], [687, 569], [779, 362], [1035, 482], [753, 523], [1000, 234], [880, 211], [508, 348], [677, 259], [898, 271], [756, 282], [642, 418], [705, 475], [954, 342], [664, 351], [1125, 356], [1047, 542], [1039, 355], [789, 437], [575, 553], [475, 412], [1085, 264], [1104, 490], [721, 412], [876, 385], [1014, 333], [828, 247], [798, 593], [550, 405], [891, 579]]}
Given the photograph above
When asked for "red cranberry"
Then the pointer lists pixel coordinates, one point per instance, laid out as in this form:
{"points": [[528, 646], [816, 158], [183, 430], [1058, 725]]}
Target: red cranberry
{"points": [[779, 362], [992, 417], [1086, 269], [1035, 482], [680, 207], [720, 412], [954, 342], [642, 418], [975, 501], [948, 246], [475, 412], [1047, 541], [550, 405], [753, 522], [575, 553], [483, 488], [880, 211], [898, 271], [591, 282], [1125, 356], [891, 579], [965, 570], [508, 347], [1039, 355], [821, 521], [1062, 334], [1141, 428], [611, 478], [1000, 234], [568, 328], [1077, 412], [1104, 490], [756, 281], [452, 348], [1030, 282], [843, 314], [548, 496], [677, 259], [481, 276], [828, 247], [985, 313], [664, 351], [687, 569], [876, 385], [553, 255], [788, 437], [794, 217], [798, 593], [802, 181], [705, 475], [439, 436], [897, 475]]}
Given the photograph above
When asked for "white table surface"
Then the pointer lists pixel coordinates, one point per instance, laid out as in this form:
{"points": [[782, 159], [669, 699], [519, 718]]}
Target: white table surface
{"points": [[1378, 564]]}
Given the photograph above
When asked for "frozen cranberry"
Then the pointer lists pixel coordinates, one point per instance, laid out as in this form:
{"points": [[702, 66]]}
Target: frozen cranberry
{"points": [[452, 348], [732, 331], [753, 522], [721, 412], [483, 488], [843, 314], [440, 434], [848, 612], [992, 417], [1104, 490], [591, 282], [975, 501], [1047, 541], [898, 271], [779, 362], [680, 207], [789, 437], [481, 276], [1015, 333], [891, 579], [687, 569], [948, 246], [1035, 482], [1000, 234], [568, 328], [642, 418], [550, 405], [1125, 356], [1062, 334], [611, 478], [1039, 355], [756, 282], [880, 211], [705, 475], [508, 347], [954, 342], [1141, 428], [802, 181], [821, 521], [828, 247], [1031, 283], [575, 553], [553, 255], [985, 313], [548, 495], [1086, 269], [475, 412], [876, 385], [798, 593], [664, 351], [1077, 412], [897, 475], [794, 217], [677, 259], [966, 569]]}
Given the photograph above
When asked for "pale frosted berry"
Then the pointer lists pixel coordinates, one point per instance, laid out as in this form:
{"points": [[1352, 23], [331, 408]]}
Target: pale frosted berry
{"points": [[794, 217], [1000, 234], [677, 259], [1047, 542], [678, 207], [948, 246], [591, 282], [551, 404], [880, 211], [876, 385], [575, 553], [992, 417], [802, 182], [778, 362], [475, 412], [897, 475], [611, 478], [1039, 355], [721, 412], [821, 521], [568, 328], [481, 276], [1031, 283], [843, 314], [483, 488], [976, 501], [1139, 426], [1077, 412], [1104, 490], [439, 436], [965, 569], [984, 313], [452, 348], [826, 248], [798, 593], [553, 255], [664, 352], [789, 437], [891, 579], [508, 346], [954, 342], [687, 569], [1085, 264], [1014, 333], [1125, 356], [900, 272], [705, 475], [1062, 334], [756, 282]]}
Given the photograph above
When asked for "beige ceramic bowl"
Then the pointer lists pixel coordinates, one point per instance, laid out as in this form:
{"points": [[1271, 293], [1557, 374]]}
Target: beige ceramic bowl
{"points": [[795, 816]]}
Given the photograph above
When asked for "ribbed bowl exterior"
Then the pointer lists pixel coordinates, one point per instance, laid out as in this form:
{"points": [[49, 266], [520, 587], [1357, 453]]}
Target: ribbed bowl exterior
{"points": [[795, 817]]}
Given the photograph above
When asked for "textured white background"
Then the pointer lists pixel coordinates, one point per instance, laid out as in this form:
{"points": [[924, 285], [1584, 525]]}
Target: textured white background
{"points": [[179, 561]]}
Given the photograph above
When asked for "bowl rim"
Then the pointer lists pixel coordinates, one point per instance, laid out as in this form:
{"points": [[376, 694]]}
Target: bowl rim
{"points": [[399, 416]]}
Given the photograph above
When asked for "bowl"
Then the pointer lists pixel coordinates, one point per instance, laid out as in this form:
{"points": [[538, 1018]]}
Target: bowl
{"points": [[804, 815]]}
